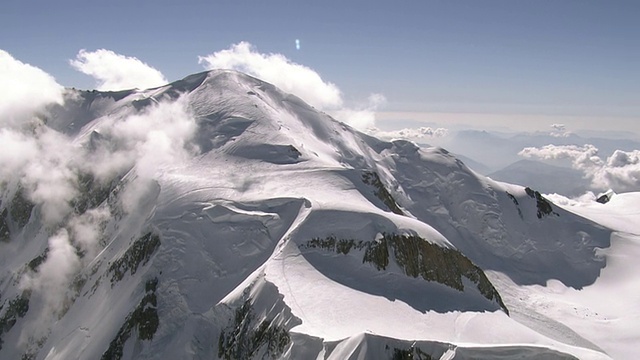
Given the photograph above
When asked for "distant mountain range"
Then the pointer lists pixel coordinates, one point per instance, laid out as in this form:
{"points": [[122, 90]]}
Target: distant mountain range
{"points": [[546, 178], [497, 151]]}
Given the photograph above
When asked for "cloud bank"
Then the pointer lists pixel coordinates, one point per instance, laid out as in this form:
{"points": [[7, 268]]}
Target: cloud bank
{"points": [[620, 171], [117, 72], [294, 78]]}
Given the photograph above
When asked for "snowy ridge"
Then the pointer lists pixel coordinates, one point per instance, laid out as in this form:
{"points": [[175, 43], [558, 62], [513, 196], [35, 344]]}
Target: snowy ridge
{"points": [[280, 232]]}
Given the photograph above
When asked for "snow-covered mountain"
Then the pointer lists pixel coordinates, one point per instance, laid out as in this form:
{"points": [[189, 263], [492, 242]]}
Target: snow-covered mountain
{"points": [[218, 217]]}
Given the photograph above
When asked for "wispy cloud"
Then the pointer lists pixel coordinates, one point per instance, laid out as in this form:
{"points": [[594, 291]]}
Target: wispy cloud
{"points": [[297, 79], [117, 72], [620, 171]]}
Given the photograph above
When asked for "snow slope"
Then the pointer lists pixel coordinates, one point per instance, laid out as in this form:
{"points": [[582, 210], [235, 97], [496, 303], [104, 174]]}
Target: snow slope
{"points": [[605, 313], [268, 229]]}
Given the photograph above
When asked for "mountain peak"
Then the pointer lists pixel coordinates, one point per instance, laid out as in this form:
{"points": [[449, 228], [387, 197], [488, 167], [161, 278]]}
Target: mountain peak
{"points": [[221, 215]]}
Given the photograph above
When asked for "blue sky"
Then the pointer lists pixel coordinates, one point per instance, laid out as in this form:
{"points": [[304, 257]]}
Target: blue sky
{"points": [[547, 58]]}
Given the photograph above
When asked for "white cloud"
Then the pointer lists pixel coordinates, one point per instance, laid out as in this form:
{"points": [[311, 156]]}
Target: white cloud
{"points": [[50, 177], [296, 79], [582, 156], [420, 133], [86, 229], [278, 70], [47, 168], [46, 165], [50, 285], [156, 138], [560, 130], [18, 150], [117, 72], [24, 89], [33, 154], [586, 198], [42, 163], [620, 171], [362, 117], [560, 134], [54, 275]]}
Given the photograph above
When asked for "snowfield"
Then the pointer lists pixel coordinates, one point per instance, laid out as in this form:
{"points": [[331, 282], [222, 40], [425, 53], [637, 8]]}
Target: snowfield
{"points": [[605, 313], [218, 217]]}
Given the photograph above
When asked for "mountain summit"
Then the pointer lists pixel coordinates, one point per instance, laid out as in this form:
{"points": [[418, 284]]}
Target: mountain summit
{"points": [[218, 217]]}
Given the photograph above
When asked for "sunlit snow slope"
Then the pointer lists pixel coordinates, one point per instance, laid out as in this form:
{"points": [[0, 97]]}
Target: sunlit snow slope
{"points": [[259, 227]]}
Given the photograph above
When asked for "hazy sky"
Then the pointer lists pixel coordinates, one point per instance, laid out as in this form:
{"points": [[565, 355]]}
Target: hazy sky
{"points": [[536, 58]]}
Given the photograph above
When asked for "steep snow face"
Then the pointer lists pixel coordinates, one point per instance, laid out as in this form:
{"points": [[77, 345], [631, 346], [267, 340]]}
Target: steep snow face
{"points": [[218, 217], [499, 226], [604, 312]]}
